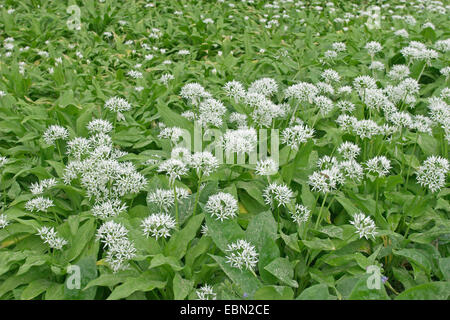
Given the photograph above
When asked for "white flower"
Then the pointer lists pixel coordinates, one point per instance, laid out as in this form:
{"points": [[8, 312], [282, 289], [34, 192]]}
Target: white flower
{"points": [[174, 168], [108, 208], [339, 46], [135, 74], [55, 132], [380, 165], [330, 76], [301, 214], [165, 78], [303, 92], [239, 118], [235, 90], [3, 221], [376, 65], [51, 238], [43, 185], [266, 167], [330, 54], [241, 254], [345, 106], [326, 180], [165, 199], [211, 112], [432, 173], [117, 104], [296, 135], [206, 293], [194, 92], [281, 193], [365, 128], [362, 83], [110, 232], [222, 205], [239, 141], [158, 225], [99, 126], [373, 47], [398, 72], [352, 170], [324, 104], [204, 162], [39, 204], [78, 147], [349, 150], [265, 86], [365, 226], [3, 161], [118, 254], [172, 133]]}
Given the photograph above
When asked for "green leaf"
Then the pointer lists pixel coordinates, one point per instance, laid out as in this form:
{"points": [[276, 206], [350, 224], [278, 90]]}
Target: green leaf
{"points": [[178, 243], [84, 235], [319, 244], [444, 266], [261, 226], [144, 283], [361, 291], [274, 293], [414, 256], [428, 291], [35, 288], [223, 232], [315, 292], [242, 278], [181, 287], [283, 270], [160, 260]]}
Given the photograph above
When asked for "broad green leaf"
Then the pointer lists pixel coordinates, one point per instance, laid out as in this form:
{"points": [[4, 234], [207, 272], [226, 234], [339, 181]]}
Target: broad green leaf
{"points": [[283, 270]]}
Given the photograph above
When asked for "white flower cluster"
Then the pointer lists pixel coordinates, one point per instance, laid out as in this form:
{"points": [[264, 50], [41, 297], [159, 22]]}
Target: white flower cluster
{"points": [[222, 205], [433, 172], [241, 254], [54, 133], [280, 193], [120, 249], [239, 141], [296, 135], [379, 165], [98, 171], [164, 199], [365, 226], [39, 204], [266, 167], [117, 104], [108, 208], [51, 238], [418, 51], [43, 185], [3, 221], [301, 214], [158, 225], [206, 293]]}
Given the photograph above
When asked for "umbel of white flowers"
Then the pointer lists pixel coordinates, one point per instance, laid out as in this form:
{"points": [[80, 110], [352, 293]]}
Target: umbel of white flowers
{"points": [[242, 255]]}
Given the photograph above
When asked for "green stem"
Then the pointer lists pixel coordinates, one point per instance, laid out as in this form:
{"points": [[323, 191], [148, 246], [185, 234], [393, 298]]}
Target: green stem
{"points": [[198, 194], [410, 160], [319, 217], [176, 205]]}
